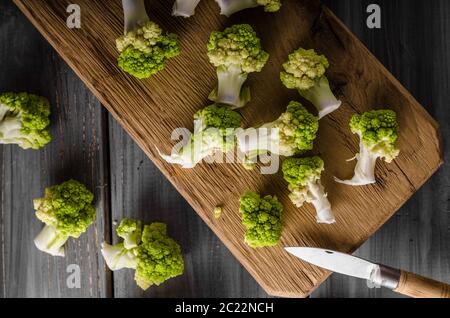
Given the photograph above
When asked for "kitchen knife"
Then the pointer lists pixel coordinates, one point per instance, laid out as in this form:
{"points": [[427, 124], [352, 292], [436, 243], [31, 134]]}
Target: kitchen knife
{"points": [[399, 281]]}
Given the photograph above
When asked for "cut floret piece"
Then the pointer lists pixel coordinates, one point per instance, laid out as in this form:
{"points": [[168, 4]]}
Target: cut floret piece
{"points": [[67, 211], [305, 71], [378, 131], [185, 8], [235, 53], [303, 176], [144, 49], [158, 257], [229, 7], [131, 232], [262, 218], [24, 120], [123, 254], [291, 134], [155, 256], [215, 129], [118, 257]]}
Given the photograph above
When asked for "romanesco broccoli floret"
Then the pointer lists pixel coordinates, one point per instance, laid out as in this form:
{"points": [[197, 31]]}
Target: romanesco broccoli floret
{"points": [[145, 51], [292, 133], [67, 211], [305, 71], [131, 231], [215, 129], [378, 131], [229, 7], [270, 5], [158, 257], [123, 254], [235, 53], [24, 120], [303, 176], [184, 8], [262, 218], [155, 256]]}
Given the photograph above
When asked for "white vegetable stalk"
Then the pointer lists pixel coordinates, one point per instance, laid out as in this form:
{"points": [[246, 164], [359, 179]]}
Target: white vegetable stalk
{"points": [[255, 141], [229, 7], [185, 8], [118, 257], [4, 110], [365, 168], [229, 90], [50, 241], [189, 156], [135, 14], [322, 97], [131, 240], [10, 129], [319, 199], [203, 143]]}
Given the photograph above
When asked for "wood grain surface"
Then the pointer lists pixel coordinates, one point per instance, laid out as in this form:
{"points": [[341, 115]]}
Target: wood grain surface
{"points": [[140, 190], [150, 110], [417, 238], [77, 151], [417, 286]]}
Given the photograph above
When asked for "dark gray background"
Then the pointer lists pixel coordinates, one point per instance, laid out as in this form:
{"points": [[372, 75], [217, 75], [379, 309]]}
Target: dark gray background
{"points": [[414, 44]]}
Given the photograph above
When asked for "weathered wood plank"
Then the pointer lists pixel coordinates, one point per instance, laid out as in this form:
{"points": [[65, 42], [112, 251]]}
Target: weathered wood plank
{"points": [[140, 190], [150, 110], [414, 45], [28, 63]]}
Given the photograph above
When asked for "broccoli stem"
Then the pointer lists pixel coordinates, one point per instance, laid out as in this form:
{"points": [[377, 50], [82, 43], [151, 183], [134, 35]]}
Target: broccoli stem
{"points": [[10, 130], [365, 168], [321, 203], [229, 7], [134, 13], [118, 257], [4, 111], [321, 96], [196, 149], [51, 241], [229, 90], [185, 8], [251, 141]]}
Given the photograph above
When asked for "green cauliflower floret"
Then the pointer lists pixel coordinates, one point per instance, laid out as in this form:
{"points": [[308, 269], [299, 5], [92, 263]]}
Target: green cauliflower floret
{"points": [[292, 133], [158, 257], [270, 5], [123, 254], [262, 218], [214, 132], [67, 211], [378, 131], [145, 51], [229, 7], [131, 231], [24, 120], [155, 256], [235, 52], [303, 176], [305, 71]]}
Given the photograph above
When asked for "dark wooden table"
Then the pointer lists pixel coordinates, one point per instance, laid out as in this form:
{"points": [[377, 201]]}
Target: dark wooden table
{"points": [[414, 44]]}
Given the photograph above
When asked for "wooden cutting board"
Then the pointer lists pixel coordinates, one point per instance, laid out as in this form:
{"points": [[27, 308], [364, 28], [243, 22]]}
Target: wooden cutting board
{"points": [[149, 110]]}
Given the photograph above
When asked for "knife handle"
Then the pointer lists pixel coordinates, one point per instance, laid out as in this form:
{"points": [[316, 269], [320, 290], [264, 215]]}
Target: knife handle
{"points": [[416, 286]]}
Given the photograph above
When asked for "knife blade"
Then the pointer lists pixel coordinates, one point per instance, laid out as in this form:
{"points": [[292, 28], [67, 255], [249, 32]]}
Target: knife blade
{"points": [[376, 275], [335, 261]]}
